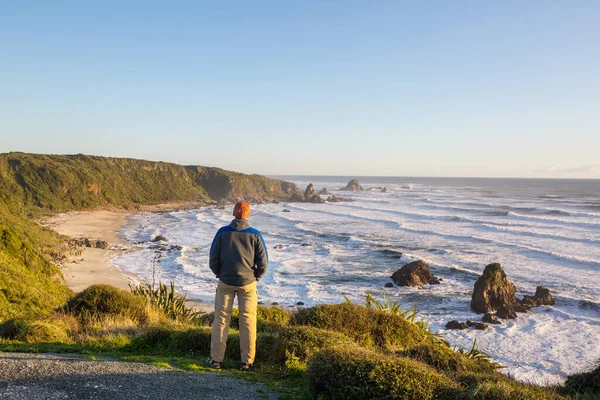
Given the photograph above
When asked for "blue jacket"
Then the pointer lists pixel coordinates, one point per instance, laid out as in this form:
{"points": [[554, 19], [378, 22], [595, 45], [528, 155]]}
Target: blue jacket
{"points": [[238, 255]]}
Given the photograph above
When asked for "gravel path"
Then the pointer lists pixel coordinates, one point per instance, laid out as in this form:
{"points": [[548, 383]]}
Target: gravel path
{"points": [[59, 376]]}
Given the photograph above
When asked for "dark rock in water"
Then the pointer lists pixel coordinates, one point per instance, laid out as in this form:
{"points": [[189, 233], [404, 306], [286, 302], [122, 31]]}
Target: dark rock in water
{"points": [[506, 313], [456, 325], [388, 285], [278, 247], [490, 319], [521, 307], [309, 192], [494, 291], [286, 210], [353, 186], [316, 199], [542, 297], [384, 190], [274, 303], [416, 273], [260, 303], [300, 303], [306, 245], [405, 187], [477, 325], [221, 204], [335, 199], [159, 238], [324, 192]]}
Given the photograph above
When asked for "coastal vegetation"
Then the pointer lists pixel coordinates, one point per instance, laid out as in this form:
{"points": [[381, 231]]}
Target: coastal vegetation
{"points": [[330, 351]]}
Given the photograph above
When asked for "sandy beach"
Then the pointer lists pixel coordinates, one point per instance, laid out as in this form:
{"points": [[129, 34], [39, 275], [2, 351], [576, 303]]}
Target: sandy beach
{"points": [[93, 265]]}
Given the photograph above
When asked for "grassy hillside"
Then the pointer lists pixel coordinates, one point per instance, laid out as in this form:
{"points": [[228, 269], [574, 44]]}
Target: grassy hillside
{"points": [[33, 184], [68, 182]]}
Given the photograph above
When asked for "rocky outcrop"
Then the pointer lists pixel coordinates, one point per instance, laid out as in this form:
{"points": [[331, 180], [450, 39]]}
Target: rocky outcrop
{"points": [[336, 199], [477, 325], [416, 273], [456, 325], [494, 292], [490, 318], [353, 186], [298, 196], [542, 297], [389, 285], [384, 190], [159, 238], [87, 242], [309, 192], [324, 192]]}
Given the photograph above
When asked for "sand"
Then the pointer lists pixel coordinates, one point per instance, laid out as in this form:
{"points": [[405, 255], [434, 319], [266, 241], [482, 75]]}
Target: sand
{"points": [[93, 265]]}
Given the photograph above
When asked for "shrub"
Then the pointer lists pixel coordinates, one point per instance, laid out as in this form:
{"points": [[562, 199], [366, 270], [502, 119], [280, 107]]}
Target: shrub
{"points": [[444, 359], [355, 373], [165, 299], [368, 327], [56, 328], [98, 301], [587, 382], [506, 389], [302, 342]]}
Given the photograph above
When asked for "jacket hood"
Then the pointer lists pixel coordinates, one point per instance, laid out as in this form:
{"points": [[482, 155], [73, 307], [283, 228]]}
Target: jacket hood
{"points": [[239, 224]]}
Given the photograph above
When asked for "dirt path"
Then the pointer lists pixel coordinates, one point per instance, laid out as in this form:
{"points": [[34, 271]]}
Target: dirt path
{"points": [[59, 376]]}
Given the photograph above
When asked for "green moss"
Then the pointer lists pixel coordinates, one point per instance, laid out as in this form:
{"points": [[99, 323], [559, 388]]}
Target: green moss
{"points": [[367, 326], [98, 301], [355, 373]]}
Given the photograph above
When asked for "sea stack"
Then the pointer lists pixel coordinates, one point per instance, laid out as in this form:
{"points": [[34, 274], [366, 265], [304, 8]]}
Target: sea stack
{"points": [[416, 273], [353, 186], [494, 292]]}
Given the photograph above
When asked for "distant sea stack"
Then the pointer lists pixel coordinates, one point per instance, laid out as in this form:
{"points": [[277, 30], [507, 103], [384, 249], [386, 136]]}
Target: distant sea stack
{"points": [[353, 186]]}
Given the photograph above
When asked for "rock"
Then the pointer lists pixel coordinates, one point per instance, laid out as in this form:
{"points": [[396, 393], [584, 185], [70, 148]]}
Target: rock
{"points": [[300, 303], [286, 210], [477, 325], [89, 243], [542, 297], [309, 192], [324, 192], [456, 325], [506, 313], [306, 245], [316, 199], [493, 291], [353, 186], [335, 199], [274, 303], [389, 285], [384, 190], [101, 244], [490, 319], [159, 238], [221, 204], [416, 273], [278, 247]]}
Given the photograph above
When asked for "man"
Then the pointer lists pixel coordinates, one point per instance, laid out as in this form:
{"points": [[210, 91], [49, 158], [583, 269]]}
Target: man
{"points": [[238, 257]]}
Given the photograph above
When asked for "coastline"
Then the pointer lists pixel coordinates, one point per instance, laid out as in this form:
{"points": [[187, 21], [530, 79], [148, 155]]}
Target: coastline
{"points": [[93, 265]]}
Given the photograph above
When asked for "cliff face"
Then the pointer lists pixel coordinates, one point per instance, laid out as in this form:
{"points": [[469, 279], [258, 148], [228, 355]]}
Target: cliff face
{"points": [[67, 182]]}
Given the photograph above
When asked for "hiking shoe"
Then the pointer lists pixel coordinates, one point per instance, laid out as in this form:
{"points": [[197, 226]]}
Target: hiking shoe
{"points": [[213, 364], [246, 367]]}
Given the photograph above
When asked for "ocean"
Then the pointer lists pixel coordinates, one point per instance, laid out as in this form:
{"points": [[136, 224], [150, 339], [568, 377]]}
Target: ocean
{"points": [[542, 232]]}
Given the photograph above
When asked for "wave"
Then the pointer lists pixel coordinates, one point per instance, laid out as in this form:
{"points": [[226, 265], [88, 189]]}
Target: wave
{"points": [[560, 221], [541, 234]]}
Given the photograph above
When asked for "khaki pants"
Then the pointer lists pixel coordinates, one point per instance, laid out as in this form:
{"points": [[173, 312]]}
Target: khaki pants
{"points": [[248, 303]]}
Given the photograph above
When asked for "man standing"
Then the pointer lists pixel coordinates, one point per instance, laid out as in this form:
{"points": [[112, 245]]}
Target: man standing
{"points": [[239, 258]]}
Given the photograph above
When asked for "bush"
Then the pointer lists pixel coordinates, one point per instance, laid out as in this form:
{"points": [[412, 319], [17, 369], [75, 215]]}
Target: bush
{"points": [[304, 341], [355, 373], [56, 328], [98, 301], [368, 327], [587, 382], [444, 359]]}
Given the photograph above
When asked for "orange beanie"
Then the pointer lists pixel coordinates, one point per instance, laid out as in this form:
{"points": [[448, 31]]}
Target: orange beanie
{"points": [[241, 210]]}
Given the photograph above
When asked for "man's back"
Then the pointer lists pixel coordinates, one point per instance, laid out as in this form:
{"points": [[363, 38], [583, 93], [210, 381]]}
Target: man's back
{"points": [[238, 255]]}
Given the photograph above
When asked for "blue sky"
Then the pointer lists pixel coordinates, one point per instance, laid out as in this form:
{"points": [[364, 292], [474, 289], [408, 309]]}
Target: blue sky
{"points": [[438, 88]]}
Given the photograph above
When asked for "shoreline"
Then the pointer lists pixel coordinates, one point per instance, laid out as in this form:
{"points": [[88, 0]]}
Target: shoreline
{"points": [[93, 265]]}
